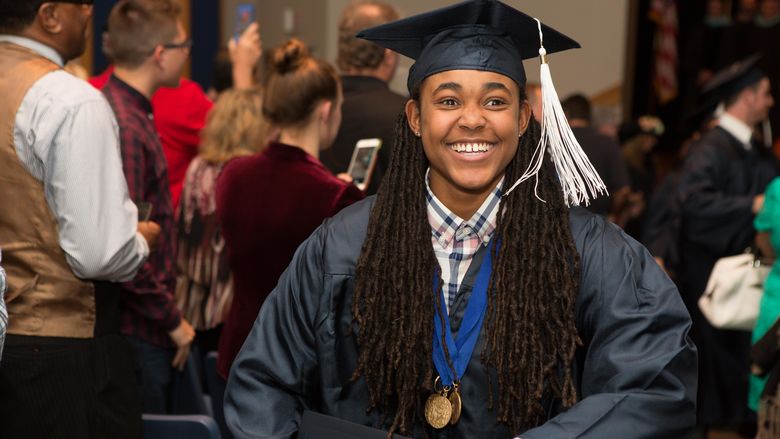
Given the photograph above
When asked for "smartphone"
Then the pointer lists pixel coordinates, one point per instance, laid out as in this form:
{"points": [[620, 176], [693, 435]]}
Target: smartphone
{"points": [[144, 211], [245, 15], [363, 161]]}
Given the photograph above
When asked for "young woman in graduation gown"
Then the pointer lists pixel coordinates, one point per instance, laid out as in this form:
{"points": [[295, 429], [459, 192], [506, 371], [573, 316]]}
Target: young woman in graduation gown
{"points": [[576, 333]]}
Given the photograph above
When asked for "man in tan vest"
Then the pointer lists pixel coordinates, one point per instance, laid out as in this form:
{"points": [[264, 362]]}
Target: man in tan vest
{"points": [[69, 233]]}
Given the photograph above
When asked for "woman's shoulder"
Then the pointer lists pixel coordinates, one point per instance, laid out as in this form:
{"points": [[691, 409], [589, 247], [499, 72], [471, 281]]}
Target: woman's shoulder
{"points": [[241, 165], [199, 167], [342, 237], [597, 240], [619, 279], [773, 189], [585, 224]]}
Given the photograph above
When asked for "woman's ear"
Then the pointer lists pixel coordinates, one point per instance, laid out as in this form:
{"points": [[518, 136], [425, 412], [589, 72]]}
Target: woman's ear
{"points": [[413, 116], [524, 116], [325, 110]]}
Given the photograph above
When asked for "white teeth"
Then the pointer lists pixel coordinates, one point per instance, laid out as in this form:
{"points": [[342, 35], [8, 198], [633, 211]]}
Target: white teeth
{"points": [[471, 147]]}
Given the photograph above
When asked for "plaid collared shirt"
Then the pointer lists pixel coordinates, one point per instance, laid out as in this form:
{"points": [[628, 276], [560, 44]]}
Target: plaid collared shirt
{"points": [[455, 240], [148, 307]]}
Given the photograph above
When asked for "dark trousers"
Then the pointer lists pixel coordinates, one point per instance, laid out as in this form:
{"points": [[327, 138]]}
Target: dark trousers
{"points": [[153, 373], [54, 387]]}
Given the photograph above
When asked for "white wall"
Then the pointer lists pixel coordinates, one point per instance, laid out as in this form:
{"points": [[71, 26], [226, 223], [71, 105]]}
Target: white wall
{"points": [[600, 26]]}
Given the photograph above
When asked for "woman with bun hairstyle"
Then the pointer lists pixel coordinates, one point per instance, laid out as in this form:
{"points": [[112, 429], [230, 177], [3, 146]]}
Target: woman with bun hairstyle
{"points": [[270, 202]]}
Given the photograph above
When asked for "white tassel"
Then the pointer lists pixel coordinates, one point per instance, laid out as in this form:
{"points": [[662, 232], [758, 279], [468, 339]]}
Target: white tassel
{"points": [[579, 179]]}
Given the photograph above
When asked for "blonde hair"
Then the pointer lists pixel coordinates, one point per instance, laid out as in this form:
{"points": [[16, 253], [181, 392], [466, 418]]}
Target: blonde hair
{"points": [[234, 127]]}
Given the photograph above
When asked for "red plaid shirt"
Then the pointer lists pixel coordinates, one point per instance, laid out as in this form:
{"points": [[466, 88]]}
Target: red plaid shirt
{"points": [[148, 307]]}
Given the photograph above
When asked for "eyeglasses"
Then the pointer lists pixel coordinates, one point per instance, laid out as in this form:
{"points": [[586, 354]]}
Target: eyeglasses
{"points": [[186, 44]]}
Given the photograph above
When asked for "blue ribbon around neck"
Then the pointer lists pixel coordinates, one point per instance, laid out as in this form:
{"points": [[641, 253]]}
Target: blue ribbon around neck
{"points": [[460, 350]]}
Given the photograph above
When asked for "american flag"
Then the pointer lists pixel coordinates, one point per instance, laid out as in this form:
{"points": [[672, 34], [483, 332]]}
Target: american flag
{"points": [[664, 14]]}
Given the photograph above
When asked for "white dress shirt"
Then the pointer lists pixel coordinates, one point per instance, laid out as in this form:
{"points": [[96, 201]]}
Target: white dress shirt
{"points": [[66, 136], [736, 128]]}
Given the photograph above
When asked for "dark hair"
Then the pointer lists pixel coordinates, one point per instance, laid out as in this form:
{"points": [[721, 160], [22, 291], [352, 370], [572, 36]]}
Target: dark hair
{"points": [[16, 15], [296, 82], [529, 329], [356, 53], [136, 27], [751, 80], [222, 72], [577, 106]]}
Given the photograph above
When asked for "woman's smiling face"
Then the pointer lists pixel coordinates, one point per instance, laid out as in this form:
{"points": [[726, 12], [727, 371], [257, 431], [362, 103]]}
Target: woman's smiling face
{"points": [[469, 122]]}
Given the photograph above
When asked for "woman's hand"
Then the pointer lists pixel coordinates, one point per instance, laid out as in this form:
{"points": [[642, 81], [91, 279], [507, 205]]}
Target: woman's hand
{"points": [[245, 53]]}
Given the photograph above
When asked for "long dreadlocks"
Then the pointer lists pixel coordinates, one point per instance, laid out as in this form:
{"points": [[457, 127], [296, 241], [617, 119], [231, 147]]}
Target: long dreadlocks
{"points": [[529, 330]]}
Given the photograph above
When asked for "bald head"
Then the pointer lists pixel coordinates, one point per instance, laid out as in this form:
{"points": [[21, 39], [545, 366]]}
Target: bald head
{"points": [[59, 25], [356, 55]]}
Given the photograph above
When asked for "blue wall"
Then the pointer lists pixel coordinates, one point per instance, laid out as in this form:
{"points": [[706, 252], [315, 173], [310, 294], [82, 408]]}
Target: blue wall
{"points": [[100, 12], [205, 38]]}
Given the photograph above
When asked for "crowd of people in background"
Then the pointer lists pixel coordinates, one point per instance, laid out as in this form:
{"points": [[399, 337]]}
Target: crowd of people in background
{"points": [[731, 31], [185, 272], [158, 218]]}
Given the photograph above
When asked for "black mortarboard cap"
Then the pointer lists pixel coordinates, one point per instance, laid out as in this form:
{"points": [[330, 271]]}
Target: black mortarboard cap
{"points": [[488, 35], [733, 79], [473, 35]]}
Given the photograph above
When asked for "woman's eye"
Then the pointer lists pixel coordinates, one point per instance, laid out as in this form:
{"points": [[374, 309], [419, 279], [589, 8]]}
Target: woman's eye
{"points": [[494, 102], [449, 102]]}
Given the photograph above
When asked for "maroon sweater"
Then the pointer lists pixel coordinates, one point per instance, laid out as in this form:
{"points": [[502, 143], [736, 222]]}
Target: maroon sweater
{"points": [[268, 204]]}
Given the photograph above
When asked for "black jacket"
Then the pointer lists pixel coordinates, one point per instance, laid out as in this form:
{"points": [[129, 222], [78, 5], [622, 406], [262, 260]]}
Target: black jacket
{"points": [[370, 110]]}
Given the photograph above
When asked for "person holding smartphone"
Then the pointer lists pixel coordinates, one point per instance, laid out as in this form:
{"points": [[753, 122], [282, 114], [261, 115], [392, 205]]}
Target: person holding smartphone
{"points": [[149, 46], [268, 203], [366, 71]]}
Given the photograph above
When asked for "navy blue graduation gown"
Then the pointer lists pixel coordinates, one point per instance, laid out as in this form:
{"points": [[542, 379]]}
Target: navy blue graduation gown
{"points": [[719, 181], [636, 373]]}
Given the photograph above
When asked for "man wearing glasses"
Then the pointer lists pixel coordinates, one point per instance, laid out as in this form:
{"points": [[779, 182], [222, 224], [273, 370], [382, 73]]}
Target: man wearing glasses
{"points": [[149, 46], [69, 233]]}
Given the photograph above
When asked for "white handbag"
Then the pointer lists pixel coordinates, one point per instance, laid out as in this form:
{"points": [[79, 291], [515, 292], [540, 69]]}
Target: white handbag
{"points": [[733, 294]]}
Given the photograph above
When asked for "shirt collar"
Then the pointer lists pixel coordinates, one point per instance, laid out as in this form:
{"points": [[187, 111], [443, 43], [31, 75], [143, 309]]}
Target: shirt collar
{"points": [[736, 128], [133, 94], [446, 225], [37, 47]]}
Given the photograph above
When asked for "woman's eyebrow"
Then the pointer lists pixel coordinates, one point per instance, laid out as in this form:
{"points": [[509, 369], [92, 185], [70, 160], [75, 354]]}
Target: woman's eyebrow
{"points": [[454, 86], [495, 86]]}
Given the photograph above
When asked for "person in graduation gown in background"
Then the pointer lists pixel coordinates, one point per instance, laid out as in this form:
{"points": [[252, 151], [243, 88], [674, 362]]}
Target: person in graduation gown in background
{"points": [[720, 191], [556, 324]]}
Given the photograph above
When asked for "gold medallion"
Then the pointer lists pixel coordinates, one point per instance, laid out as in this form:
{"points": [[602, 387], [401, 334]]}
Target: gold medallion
{"points": [[457, 404], [438, 410]]}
